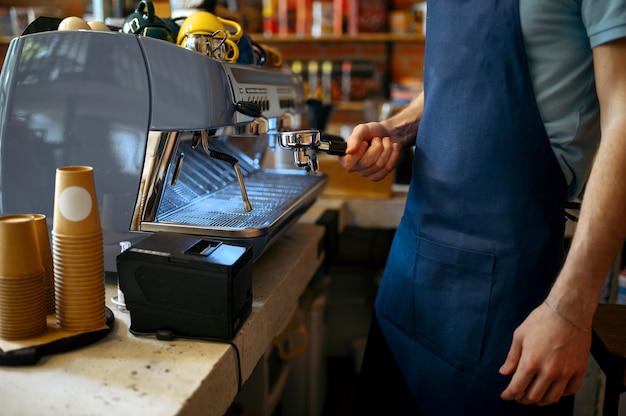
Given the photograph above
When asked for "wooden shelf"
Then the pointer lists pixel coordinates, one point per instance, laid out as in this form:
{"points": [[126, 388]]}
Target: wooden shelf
{"points": [[362, 37], [348, 106]]}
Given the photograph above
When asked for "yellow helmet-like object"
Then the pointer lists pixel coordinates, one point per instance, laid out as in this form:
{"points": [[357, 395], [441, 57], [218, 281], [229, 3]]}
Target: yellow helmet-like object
{"points": [[206, 23], [208, 34]]}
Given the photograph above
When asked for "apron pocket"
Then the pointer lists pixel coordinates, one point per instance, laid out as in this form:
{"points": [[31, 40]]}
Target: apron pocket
{"points": [[452, 288]]}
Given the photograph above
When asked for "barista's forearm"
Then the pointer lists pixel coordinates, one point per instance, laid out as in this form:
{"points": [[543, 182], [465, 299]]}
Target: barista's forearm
{"points": [[602, 224], [404, 124], [599, 234]]}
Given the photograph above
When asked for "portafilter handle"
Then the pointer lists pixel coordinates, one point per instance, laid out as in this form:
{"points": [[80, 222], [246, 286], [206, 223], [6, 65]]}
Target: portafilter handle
{"points": [[333, 145], [300, 141]]}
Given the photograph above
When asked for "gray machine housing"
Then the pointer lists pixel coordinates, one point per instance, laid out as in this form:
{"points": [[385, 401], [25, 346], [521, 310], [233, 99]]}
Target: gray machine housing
{"points": [[94, 98]]}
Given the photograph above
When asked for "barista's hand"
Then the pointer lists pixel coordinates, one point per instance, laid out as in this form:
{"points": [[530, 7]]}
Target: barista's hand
{"points": [[547, 359], [371, 151]]}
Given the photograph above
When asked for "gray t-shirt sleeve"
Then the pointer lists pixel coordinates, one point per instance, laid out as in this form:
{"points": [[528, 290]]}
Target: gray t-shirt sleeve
{"points": [[559, 36]]}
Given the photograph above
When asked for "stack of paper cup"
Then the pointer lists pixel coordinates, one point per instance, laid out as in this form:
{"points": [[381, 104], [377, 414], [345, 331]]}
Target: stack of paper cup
{"points": [[77, 251], [45, 253], [22, 285]]}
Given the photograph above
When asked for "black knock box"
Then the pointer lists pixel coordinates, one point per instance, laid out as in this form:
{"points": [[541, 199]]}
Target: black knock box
{"points": [[183, 285]]}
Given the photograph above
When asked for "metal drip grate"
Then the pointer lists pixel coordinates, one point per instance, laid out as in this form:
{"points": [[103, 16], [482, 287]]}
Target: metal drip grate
{"points": [[271, 193]]}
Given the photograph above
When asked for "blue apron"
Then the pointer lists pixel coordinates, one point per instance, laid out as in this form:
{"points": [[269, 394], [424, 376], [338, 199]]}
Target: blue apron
{"points": [[481, 239]]}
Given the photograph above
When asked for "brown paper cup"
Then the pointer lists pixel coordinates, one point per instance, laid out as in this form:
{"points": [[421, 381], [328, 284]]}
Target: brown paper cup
{"points": [[75, 201], [87, 249], [79, 272], [63, 253], [78, 240], [45, 252], [93, 297], [19, 251], [23, 307], [80, 318]]}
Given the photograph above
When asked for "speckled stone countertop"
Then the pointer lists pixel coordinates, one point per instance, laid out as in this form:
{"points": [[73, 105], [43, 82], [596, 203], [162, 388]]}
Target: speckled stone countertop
{"points": [[127, 375]]}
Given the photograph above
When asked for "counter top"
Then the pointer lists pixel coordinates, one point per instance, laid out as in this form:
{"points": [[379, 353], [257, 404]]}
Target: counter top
{"points": [[124, 374], [383, 213]]}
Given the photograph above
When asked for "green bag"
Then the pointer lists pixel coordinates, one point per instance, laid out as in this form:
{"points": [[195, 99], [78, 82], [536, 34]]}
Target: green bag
{"points": [[143, 22]]}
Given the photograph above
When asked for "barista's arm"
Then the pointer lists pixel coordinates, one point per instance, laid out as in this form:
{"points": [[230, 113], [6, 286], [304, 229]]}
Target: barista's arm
{"points": [[403, 125], [549, 352], [601, 229], [374, 148]]}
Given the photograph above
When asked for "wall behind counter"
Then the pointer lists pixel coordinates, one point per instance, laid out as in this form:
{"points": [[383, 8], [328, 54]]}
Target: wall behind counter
{"points": [[69, 7]]}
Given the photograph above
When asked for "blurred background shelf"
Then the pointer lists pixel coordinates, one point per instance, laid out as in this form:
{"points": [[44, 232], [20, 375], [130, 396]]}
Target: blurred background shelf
{"points": [[361, 37]]}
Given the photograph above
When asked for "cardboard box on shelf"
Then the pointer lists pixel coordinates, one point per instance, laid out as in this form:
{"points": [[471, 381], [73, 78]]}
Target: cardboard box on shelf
{"points": [[342, 184]]}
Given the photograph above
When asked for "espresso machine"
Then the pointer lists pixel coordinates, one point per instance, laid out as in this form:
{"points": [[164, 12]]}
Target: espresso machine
{"points": [[177, 139]]}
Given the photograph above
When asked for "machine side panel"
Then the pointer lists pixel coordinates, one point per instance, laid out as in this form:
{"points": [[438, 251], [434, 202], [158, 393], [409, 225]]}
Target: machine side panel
{"points": [[74, 98]]}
